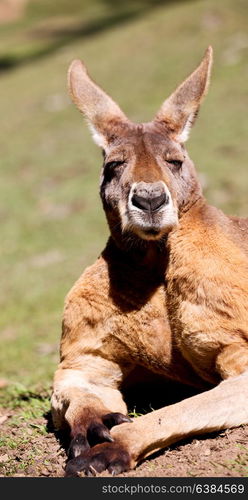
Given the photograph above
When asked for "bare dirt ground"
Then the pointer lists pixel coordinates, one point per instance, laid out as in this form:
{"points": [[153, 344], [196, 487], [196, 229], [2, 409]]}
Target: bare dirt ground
{"points": [[30, 451]]}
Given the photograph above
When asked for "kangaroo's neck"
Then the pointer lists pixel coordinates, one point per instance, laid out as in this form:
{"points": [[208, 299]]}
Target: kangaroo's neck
{"points": [[207, 229], [198, 226], [148, 258]]}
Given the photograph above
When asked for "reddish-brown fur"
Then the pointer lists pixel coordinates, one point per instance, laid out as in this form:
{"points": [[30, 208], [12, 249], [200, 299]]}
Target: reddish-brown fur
{"points": [[168, 293]]}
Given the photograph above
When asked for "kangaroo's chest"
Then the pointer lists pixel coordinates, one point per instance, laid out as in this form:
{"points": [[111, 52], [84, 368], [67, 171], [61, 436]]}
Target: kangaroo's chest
{"points": [[143, 328], [143, 336], [207, 297]]}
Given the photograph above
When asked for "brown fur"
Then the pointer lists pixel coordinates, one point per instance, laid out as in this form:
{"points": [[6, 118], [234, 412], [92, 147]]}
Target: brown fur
{"points": [[168, 293]]}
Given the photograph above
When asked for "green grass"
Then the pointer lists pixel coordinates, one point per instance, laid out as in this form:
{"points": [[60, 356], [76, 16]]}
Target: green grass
{"points": [[238, 466], [52, 224], [240, 463], [27, 423]]}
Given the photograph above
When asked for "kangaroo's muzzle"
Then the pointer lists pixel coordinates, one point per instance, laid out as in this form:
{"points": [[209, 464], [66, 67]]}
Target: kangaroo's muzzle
{"points": [[149, 197]]}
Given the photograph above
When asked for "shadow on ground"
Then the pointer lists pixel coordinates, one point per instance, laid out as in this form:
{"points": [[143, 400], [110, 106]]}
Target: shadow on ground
{"points": [[54, 39]]}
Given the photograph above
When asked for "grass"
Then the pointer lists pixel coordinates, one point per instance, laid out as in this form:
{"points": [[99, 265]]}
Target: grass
{"points": [[240, 463], [238, 466], [21, 448], [52, 224]]}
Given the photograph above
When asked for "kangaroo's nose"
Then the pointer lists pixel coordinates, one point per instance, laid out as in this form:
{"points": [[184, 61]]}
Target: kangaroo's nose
{"points": [[149, 197]]}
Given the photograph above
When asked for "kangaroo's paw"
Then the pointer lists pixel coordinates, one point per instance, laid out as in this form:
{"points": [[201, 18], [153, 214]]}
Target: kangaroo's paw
{"points": [[95, 431], [105, 456]]}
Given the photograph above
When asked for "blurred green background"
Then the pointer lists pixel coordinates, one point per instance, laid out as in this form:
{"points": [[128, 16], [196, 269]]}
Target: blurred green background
{"points": [[52, 224]]}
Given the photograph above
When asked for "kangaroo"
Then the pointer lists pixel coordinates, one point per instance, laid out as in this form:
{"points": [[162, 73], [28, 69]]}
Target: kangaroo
{"points": [[169, 293]]}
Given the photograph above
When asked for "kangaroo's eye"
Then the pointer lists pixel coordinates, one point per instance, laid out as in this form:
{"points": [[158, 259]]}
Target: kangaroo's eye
{"points": [[113, 164], [111, 170], [175, 163]]}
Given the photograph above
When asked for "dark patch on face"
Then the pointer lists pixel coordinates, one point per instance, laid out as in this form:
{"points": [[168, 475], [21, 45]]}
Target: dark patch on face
{"points": [[152, 232]]}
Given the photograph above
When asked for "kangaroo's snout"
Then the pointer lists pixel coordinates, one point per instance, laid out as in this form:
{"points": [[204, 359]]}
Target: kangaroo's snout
{"points": [[150, 211], [149, 196]]}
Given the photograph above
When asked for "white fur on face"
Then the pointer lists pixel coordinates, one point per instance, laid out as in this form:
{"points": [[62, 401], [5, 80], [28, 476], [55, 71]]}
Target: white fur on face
{"points": [[136, 220]]}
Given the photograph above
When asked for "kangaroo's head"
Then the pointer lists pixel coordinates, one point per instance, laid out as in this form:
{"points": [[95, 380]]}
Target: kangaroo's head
{"points": [[147, 178]]}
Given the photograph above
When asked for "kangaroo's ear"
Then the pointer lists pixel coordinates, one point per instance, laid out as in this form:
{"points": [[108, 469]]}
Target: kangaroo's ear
{"points": [[103, 114], [179, 111]]}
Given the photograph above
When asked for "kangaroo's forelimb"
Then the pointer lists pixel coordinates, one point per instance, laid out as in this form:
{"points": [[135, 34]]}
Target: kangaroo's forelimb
{"points": [[222, 407]]}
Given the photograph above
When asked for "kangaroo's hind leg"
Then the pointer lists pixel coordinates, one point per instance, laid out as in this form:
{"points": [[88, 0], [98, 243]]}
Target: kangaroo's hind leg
{"points": [[222, 407]]}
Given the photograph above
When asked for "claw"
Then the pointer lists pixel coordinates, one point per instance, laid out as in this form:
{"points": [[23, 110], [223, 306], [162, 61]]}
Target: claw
{"points": [[75, 465], [94, 431], [112, 419], [78, 445], [117, 467], [92, 470], [98, 433], [110, 456]]}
